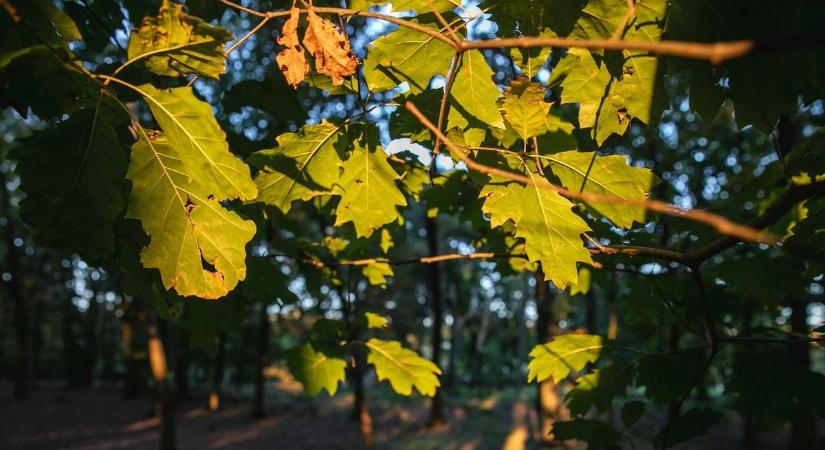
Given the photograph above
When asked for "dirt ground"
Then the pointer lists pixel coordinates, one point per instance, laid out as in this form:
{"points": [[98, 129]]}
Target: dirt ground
{"points": [[53, 418]]}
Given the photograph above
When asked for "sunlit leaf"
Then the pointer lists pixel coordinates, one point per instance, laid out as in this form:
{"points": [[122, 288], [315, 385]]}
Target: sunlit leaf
{"points": [[403, 368]]}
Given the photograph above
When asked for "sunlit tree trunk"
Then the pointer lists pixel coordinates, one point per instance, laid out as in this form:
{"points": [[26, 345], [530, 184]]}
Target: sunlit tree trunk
{"points": [[436, 303], [157, 363], [261, 361], [803, 426], [14, 286], [548, 404], [218, 364]]}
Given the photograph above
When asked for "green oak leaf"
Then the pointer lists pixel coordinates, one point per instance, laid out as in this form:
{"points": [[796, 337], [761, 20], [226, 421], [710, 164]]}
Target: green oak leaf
{"points": [[191, 128], [316, 370], [406, 55], [198, 245], [531, 60], [403, 368], [609, 176], [75, 207], [175, 44], [544, 219], [474, 95], [525, 110], [612, 87], [302, 166], [562, 356], [368, 190]]}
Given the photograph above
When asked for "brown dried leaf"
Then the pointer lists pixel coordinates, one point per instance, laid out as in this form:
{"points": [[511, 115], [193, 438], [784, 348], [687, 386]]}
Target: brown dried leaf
{"points": [[291, 60], [331, 49]]}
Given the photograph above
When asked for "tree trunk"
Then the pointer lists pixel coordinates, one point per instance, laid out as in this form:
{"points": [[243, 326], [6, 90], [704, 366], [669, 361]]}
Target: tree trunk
{"points": [[437, 305], [218, 364], [131, 381], [15, 289], [803, 426], [90, 341], [355, 372], [182, 366], [165, 394], [261, 360], [548, 401]]}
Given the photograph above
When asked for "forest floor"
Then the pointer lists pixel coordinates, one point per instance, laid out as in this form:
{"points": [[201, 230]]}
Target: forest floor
{"points": [[97, 418]]}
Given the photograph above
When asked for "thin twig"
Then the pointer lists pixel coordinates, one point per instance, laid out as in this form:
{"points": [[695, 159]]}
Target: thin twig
{"points": [[721, 224], [631, 12], [448, 86], [443, 22]]}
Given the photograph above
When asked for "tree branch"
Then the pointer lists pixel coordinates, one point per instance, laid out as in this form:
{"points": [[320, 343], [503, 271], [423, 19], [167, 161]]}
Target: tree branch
{"points": [[721, 224]]}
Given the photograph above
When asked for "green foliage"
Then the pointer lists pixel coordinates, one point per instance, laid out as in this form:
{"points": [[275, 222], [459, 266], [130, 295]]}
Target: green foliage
{"points": [[368, 190], [474, 94], [546, 222], [609, 176], [403, 368], [691, 424], [176, 44], [75, 208], [406, 56], [317, 370], [562, 356], [598, 435], [301, 167]]}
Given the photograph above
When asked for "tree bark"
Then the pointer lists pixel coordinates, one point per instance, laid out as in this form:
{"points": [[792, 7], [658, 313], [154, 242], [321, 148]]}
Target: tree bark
{"points": [[437, 305], [15, 290], [157, 362], [803, 426], [182, 366], [218, 364], [261, 360], [128, 330], [548, 401]]}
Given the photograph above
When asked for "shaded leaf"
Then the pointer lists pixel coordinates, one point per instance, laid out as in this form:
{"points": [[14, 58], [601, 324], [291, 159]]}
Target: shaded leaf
{"points": [[474, 95], [301, 167], [597, 434], [176, 44], [605, 175], [406, 55], [316, 370]]}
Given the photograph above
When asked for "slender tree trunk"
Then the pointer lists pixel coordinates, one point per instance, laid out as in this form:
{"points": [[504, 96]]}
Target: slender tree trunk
{"points": [[131, 381], [613, 317], [182, 366], [361, 412], [803, 427], [16, 292], [90, 340], [548, 401], [749, 431], [218, 364], [157, 362], [437, 305], [591, 312], [673, 409], [37, 335], [261, 360]]}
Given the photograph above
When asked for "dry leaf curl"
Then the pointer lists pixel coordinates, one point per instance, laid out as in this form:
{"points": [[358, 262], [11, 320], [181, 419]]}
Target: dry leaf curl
{"points": [[291, 60], [331, 49]]}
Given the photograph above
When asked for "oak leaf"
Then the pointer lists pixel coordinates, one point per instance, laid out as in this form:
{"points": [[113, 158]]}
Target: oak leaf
{"points": [[331, 49], [291, 60]]}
